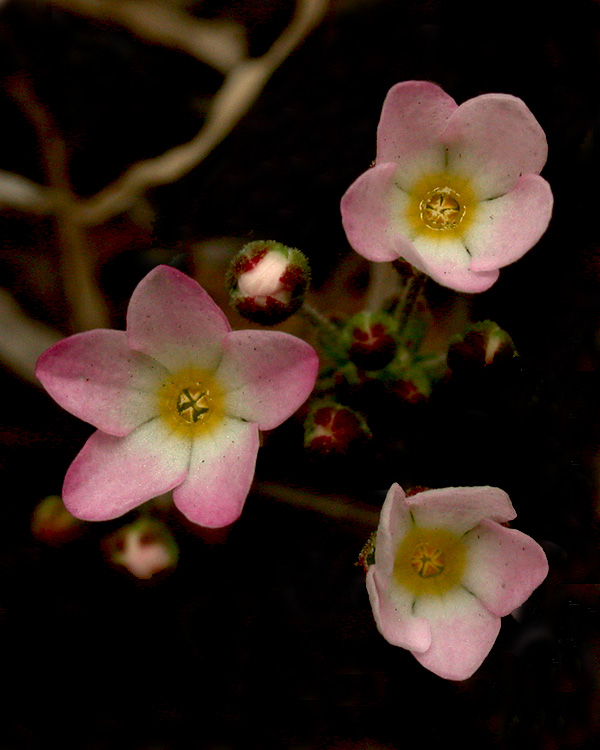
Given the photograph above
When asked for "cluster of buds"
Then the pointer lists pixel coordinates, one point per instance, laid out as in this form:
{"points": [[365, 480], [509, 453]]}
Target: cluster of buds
{"points": [[370, 340], [332, 429], [144, 548], [267, 281]]}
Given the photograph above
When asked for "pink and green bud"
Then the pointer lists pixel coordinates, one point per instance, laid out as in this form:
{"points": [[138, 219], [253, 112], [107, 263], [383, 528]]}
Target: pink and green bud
{"points": [[267, 281], [52, 523], [371, 344], [332, 429], [144, 548], [483, 344]]}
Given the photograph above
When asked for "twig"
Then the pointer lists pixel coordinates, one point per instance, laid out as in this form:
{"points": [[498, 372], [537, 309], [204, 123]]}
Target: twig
{"points": [[241, 88], [22, 340], [23, 194], [338, 507], [220, 44], [87, 306]]}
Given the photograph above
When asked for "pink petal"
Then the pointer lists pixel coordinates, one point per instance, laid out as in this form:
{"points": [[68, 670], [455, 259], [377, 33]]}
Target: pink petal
{"points": [[504, 566], [392, 610], [506, 228], [171, 318], [267, 375], [494, 139], [460, 509], [413, 116], [394, 523], [220, 474], [367, 208], [448, 262], [111, 475], [98, 378], [463, 632]]}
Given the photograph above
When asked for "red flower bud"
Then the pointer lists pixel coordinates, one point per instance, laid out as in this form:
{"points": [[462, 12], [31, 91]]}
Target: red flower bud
{"points": [[371, 345], [334, 429], [484, 344], [267, 281]]}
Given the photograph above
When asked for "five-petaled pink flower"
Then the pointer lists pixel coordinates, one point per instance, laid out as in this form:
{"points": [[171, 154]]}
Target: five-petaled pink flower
{"points": [[446, 571], [178, 400], [455, 190]]}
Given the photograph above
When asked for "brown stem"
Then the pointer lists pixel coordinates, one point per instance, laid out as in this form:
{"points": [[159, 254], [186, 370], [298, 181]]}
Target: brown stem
{"points": [[88, 309]]}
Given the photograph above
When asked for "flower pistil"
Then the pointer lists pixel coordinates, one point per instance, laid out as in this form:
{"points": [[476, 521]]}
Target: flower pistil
{"points": [[191, 401], [441, 205], [429, 561]]}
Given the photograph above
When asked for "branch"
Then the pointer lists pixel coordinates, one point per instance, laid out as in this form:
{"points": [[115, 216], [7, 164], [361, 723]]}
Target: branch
{"points": [[220, 44], [23, 194], [87, 305], [241, 88], [22, 340], [339, 507]]}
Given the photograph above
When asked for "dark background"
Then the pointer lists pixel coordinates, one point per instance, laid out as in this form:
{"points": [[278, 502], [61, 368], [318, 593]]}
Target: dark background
{"points": [[263, 636]]}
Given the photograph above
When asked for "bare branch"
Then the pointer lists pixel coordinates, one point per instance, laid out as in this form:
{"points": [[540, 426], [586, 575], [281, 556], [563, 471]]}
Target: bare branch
{"points": [[241, 88], [87, 305], [220, 44], [22, 340], [339, 507], [23, 194]]}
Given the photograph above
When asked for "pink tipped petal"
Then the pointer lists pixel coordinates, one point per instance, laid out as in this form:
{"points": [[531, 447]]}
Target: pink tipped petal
{"points": [[172, 319], [494, 139], [504, 566], [111, 475], [413, 115], [460, 509], [392, 610], [98, 378], [394, 523], [448, 261], [367, 209], [463, 632], [220, 474], [267, 375], [507, 227]]}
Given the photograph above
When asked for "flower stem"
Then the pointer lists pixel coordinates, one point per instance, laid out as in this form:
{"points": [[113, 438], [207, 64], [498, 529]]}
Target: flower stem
{"points": [[321, 323], [409, 300]]}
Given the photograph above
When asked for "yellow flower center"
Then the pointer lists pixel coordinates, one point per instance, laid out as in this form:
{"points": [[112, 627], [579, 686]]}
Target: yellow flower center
{"points": [[441, 209], [190, 401], [429, 561], [441, 205]]}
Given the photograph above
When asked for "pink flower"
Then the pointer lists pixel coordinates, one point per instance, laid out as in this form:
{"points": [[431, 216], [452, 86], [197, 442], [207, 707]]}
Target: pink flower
{"points": [[446, 571], [178, 400], [455, 190]]}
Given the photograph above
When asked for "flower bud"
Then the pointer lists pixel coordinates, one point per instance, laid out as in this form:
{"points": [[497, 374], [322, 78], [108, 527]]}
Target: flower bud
{"points": [[331, 429], [483, 344], [144, 547], [52, 523], [267, 281], [371, 345]]}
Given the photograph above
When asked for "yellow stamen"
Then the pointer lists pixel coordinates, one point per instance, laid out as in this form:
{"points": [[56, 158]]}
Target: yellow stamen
{"points": [[441, 205], [190, 401], [429, 561]]}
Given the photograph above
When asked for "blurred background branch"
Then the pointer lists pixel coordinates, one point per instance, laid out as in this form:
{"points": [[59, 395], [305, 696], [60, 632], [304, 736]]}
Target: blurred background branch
{"points": [[220, 44], [242, 86]]}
